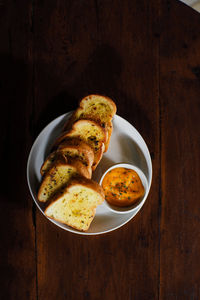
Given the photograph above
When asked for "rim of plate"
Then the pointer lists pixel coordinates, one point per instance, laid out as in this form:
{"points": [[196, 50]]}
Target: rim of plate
{"points": [[72, 230]]}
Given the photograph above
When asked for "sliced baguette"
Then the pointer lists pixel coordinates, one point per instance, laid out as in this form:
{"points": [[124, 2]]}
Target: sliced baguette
{"points": [[58, 176], [76, 205], [51, 158], [91, 133], [77, 148], [71, 150], [99, 108]]}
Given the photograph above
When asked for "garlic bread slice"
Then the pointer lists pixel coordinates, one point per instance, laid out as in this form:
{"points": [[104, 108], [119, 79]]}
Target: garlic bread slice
{"points": [[99, 108], [91, 133], [76, 205], [71, 149], [59, 175]]}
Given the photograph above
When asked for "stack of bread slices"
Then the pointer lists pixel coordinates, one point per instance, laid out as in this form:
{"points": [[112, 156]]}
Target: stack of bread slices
{"points": [[69, 193]]}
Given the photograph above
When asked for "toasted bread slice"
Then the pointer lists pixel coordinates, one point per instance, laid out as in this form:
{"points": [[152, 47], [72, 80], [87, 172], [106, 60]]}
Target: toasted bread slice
{"points": [[48, 162], [91, 133], [58, 176], [77, 148], [76, 205], [99, 108], [71, 150], [82, 169], [109, 128]]}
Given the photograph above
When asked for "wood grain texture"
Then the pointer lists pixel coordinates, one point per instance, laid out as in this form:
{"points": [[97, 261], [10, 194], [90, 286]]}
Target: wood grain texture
{"points": [[109, 48], [17, 257], [145, 55], [180, 90]]}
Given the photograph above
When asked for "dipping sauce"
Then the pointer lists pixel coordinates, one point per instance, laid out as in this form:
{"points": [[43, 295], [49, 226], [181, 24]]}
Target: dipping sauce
{"points": [[122, 187]]}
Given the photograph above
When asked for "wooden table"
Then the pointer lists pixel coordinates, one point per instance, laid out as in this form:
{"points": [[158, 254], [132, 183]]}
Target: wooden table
{"points": [[146, 56]]}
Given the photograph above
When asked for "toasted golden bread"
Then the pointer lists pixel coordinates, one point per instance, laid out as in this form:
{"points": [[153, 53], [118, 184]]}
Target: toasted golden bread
{"points": [[99, 108], [51, 158], [77, 148], [59, 175], [76, 205], [70, 195], [71, 149], [91, 133]]}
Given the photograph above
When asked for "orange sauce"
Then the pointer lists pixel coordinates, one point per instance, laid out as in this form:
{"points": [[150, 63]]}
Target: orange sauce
{"points": [[122, 187]]}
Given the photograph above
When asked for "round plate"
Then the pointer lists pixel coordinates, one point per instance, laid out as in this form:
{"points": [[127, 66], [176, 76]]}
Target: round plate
{"points": [[126, 146]]}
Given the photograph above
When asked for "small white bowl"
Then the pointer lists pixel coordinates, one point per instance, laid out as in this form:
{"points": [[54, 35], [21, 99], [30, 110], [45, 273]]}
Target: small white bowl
{"points": [[128, 209]]}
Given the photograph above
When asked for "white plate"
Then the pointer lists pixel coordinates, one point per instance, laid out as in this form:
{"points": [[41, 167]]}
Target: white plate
{"points": [[126, 146]]}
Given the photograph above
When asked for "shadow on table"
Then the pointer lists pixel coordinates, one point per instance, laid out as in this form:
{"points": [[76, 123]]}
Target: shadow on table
{"points": [[100, 76], [15, 83], [22, 121]]}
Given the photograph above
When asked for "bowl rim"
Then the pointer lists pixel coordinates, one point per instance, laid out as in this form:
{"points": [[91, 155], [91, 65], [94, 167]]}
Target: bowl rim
{"points": [[146, 184]]}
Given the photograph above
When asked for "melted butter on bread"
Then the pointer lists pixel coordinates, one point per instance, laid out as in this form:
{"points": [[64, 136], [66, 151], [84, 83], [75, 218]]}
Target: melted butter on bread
{"points": [[76, 205], [91, 133], [100, 109]]}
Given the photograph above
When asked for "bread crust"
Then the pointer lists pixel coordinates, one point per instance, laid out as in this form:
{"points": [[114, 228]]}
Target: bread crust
{"points": [[77, 181], [48, 185], [81, 168], [109, 100], [78, 145], [88, 183], [72, 225], [50, 160], [98, 145], [78, 149], [65, 135], [71, 150], [73, 118], [109, 129], [49, 177], [81, 113]]}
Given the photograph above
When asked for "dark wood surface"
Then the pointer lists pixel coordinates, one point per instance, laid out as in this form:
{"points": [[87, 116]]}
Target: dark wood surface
{"points": [[146, 56]]}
